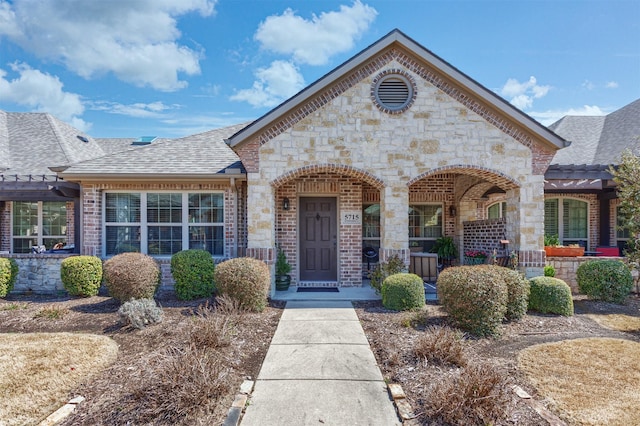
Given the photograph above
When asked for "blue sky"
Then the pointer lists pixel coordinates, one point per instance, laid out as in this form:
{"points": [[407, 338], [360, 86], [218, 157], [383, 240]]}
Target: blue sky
{"points": [[169, 68]]}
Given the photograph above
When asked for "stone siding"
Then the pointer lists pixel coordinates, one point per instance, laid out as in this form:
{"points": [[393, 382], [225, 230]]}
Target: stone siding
{"points": [[38, 273], [566, 267]]}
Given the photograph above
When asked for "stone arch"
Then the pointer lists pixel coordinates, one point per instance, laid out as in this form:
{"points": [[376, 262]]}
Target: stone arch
{"points": [[494, 177], [329, 168]]}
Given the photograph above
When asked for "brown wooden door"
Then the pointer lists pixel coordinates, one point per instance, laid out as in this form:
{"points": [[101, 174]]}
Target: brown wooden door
{"points": [[318, 239]]}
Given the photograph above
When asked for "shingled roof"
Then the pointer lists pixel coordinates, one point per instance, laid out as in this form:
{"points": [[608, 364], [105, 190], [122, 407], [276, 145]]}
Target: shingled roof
{"points": [[200, 155]]}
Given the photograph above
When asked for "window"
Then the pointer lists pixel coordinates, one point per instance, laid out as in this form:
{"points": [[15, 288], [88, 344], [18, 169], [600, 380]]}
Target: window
{"points": [[371, 226], [497, 210], [38, 223], [425, 225], [622, 232], [163, 223], [567, 218]]}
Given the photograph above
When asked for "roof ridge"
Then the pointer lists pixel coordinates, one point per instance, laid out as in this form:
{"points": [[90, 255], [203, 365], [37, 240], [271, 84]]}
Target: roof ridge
{"points": [[56, 131]]}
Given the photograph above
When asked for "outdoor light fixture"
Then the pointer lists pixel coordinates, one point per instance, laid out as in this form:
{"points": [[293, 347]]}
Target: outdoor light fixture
{"points": [[452, 211], [285, 203]]}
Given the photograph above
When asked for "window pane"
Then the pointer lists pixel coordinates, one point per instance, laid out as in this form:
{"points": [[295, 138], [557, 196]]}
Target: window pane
{"points": [[164, 240], [164, 208], [621, 231], [206, 208], [551, 217], [25, 219], [54, 219], [425, 221], [371, 221], [574, 219], [494, 211], [209, 238], [122, 208], [121, 239], [23, 245]]}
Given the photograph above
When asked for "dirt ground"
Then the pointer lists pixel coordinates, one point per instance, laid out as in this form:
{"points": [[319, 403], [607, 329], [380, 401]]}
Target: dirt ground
{"points": [[391, 335]]}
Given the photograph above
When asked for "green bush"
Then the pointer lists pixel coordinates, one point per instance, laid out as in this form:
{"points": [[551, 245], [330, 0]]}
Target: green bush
{"points": [[549, 271], [138, 313], [193, 272], [131, 276], [81, 275], [8, 275], [394, 265], [245, 280], [475, 297], [402, 292], [517, 292], [550, 295], [607, 280]]}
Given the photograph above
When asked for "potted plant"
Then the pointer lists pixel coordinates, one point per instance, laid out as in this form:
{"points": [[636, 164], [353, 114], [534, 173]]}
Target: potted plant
{"points": [[475, 257], [552, 247], [283, 279], [446, 248]]}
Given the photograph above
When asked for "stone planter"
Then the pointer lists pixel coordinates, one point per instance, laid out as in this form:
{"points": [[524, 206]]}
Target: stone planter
{"points": [[559, 251]]}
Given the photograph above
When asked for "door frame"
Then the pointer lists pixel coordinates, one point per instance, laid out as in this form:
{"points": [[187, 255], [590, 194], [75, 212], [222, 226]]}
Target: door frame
{"points": [[298, 228]]}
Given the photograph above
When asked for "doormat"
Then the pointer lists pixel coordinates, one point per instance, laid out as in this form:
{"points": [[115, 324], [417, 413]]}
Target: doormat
{"points": [[317, 289]]}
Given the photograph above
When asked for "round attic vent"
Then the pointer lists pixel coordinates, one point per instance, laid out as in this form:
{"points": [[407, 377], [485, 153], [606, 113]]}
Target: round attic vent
{"points": [[393, 92]]}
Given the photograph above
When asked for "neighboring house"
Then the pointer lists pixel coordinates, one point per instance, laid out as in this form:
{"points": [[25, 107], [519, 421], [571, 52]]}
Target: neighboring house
{"points": [[391, 150]]}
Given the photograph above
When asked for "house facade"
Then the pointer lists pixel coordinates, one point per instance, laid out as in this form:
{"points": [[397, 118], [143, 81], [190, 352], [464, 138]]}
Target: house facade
{"points": [[385, 154]]}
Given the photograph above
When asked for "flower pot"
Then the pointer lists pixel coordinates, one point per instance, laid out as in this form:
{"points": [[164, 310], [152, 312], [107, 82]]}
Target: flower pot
{"points": [[560, 251], [283, 282], [475, 260]]}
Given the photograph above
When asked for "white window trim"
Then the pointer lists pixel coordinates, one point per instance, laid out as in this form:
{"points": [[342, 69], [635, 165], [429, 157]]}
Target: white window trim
{"points": [[40, 226], [143, 224], [561, 224], [441, 205]]}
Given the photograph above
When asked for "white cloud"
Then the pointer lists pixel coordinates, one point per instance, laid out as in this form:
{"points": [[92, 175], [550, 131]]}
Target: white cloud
{"points": [[588, 85], [135, 40], [551, 116], [279, 81], [138, 110], [521, 95], [313, 41], [42, 92], [611, 85]]}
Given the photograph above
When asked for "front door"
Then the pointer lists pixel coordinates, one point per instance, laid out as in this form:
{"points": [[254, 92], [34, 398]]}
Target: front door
{"points": [[318, 239]]}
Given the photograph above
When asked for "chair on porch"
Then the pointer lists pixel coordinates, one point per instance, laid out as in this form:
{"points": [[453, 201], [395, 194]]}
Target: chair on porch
{"points": [[424, 265]]}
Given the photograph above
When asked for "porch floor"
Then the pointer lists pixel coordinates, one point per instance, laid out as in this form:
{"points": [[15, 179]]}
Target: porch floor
{"points": [[344, 293]]}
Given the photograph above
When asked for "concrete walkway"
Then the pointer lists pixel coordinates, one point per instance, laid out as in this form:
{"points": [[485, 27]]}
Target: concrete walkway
{"points": [[320, 370]]}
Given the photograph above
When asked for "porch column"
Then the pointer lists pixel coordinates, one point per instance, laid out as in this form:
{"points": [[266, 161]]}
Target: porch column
{"points": [[525, 224], [260, 222], [394, 222]]}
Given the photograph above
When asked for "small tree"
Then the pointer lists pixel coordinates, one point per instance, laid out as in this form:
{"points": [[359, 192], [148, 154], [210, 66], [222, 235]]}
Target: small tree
{"points": [[627, 177]]}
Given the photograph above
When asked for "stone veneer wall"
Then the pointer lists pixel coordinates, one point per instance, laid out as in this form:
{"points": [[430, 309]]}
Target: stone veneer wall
{"points": [[566, 267], [38, 273]]}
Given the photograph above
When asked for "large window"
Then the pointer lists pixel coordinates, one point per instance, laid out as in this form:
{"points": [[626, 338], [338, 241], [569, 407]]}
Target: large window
{"points": [[38, 223], [622, 232], [425, 225], [163, 223], [371, 226], [568, 219]]}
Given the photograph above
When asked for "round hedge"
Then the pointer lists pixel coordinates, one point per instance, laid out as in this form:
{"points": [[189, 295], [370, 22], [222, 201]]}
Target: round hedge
{"points": [[550, 295], [402, 292], [245, 280], [517, 292], [475, 298], [81, 275], [131, 276], [607, 280], [193, 272], [8, 275]]}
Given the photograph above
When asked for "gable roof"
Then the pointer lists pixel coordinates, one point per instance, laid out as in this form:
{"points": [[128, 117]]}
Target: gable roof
{"points": [[196, 156], [30, 142], [598, 140], [470, 87]]}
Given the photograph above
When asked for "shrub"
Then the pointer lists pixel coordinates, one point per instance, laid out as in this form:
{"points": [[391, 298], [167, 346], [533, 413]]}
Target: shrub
{"points": [[193, 272], [517, 292], [81, 275], [394, 265], [138, 313], [478, 395], [402, 292], [8, 275], [441, 345], [131, 276], [550, 295], [475, 298], [246, 280], [607, 280], [549, 271]]}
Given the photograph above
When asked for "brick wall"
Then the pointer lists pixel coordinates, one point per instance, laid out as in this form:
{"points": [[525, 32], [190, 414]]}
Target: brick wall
{"points": [[5, 226], [485, 235]]}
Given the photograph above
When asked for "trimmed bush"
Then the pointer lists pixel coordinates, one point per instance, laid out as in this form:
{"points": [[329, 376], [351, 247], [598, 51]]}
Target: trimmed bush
{"points": [[8, 275], [402, 292], [607, 280], [245, 280], [394, 265], [517, 292], [550, 296], [549, 271], [131, 276], [193, 272], [475, 297], [138, 313], [81, 275]]}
